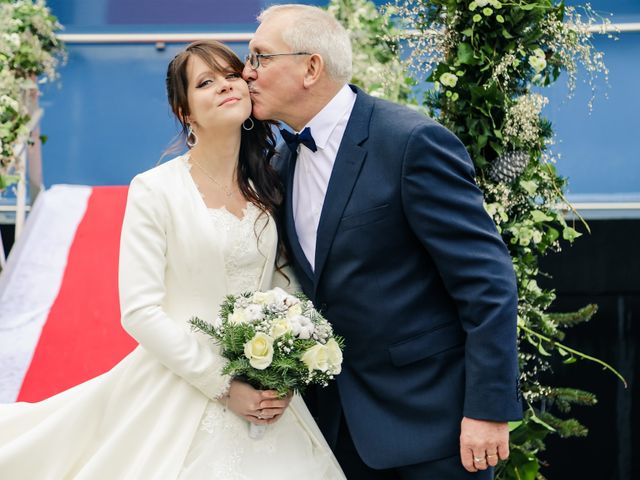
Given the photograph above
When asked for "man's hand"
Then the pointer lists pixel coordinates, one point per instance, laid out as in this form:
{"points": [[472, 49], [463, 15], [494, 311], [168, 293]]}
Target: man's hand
{"points": [[261, 407], [483, 443]]}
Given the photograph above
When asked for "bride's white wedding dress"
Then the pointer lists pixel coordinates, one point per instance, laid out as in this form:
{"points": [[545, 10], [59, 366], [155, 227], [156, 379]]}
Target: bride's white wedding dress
{"points": [[154, 415], [221, 448]]}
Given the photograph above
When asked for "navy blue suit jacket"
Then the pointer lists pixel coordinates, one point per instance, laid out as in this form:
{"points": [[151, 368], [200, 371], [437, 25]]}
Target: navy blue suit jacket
{"points": [[411, 271]]}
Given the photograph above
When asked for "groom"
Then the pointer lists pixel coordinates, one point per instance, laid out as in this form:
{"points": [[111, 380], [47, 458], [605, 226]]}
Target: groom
{"points": [[389, 238]]}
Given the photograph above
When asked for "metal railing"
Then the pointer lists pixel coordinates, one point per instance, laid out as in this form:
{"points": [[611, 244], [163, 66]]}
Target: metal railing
{"points": [[83, 38]]}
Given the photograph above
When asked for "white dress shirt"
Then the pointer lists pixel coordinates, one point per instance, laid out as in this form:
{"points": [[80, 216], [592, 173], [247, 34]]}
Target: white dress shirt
{"points": [[313, 169]]}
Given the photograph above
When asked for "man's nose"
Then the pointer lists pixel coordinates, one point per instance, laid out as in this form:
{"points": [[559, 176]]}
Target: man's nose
{"points": [[249, 73]]}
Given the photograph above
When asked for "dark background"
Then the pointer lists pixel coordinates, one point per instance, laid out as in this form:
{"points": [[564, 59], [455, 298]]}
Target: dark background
{"points": [[601, 268]]}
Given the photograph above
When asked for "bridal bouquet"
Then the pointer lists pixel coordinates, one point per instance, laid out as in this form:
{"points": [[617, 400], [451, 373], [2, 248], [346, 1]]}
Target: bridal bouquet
{"points": [[275, 341]]}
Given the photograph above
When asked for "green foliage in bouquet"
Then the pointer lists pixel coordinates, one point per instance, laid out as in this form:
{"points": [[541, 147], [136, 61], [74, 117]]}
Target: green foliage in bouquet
{"points": [[488, 60], [29, 48], [275, 341]]}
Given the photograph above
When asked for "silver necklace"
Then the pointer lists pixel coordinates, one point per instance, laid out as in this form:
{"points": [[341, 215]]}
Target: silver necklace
{"points": [[227, 191]]}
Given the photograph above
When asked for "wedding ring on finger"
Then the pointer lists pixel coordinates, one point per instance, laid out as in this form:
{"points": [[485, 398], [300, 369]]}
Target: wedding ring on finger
{"points": [[478, 459], [491, 455]]}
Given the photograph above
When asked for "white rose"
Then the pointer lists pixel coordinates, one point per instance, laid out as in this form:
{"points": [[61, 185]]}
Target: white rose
{"points": [[448, 80], [254, 312], [294, 310], [279, 327], [262, 298], [15, 39], [482, 3], [537, 63], [259, 351], [238, 317], [316, 358], [335, 356], [9, 102]]}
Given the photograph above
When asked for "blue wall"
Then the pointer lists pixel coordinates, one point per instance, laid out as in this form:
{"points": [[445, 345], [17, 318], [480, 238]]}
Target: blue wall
{"points": [[108, 120]]}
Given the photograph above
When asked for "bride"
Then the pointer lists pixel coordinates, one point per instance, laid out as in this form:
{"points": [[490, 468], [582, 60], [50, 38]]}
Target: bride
{"points": [[196, 228]]}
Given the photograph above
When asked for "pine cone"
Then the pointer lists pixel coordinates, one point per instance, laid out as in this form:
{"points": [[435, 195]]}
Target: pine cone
{"points": [[509, 166]]}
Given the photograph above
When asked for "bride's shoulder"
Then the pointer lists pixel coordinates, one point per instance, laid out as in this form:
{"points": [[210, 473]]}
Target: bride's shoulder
{"points": [[160, 176]]}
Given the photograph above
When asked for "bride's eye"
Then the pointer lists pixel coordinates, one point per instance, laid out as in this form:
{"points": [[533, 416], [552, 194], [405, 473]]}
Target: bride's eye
{"points": [[233, 76], [204, 83]]}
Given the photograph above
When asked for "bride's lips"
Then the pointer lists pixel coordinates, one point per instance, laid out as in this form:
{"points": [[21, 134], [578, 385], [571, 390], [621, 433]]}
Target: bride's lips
{"points": [[229, 99]]}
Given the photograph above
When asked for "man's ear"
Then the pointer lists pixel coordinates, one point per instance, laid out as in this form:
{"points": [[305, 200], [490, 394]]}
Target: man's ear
{"points": [[315, 68]]}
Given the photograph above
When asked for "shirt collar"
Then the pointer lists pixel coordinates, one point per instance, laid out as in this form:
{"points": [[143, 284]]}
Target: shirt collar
{"points": [[325, 121]]}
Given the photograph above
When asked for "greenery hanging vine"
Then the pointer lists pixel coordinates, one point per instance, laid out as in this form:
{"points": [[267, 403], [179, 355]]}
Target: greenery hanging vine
{"points": [[28, 48], [488, 61]]}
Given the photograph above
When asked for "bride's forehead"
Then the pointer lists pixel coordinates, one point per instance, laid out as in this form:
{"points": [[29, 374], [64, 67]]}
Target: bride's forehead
{"points": [[213, 64]]}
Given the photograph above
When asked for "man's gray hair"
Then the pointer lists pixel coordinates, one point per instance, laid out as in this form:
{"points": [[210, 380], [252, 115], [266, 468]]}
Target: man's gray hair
{"points": [[314, 30]]}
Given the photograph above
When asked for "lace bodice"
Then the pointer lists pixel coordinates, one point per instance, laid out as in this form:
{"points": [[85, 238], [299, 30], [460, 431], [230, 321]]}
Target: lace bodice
{"points": [[244, 248]]}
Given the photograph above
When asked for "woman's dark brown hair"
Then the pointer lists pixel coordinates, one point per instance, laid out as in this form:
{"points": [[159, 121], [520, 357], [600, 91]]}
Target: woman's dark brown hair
{"points": [[257, 145]]}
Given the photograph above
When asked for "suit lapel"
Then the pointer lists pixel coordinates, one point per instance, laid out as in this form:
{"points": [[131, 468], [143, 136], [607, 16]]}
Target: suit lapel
{"points": [[349, 160]]}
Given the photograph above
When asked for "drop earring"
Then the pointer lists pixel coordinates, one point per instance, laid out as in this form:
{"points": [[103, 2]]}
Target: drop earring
{"points": [[192, 139], [252, 124]]}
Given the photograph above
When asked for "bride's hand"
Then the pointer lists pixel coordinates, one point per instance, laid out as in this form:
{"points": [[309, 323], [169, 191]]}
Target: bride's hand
{"points": [[261, 407]]}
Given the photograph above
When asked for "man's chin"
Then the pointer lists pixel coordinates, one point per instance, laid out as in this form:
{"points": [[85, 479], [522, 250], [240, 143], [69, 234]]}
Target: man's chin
{"points": [[259, 114]]}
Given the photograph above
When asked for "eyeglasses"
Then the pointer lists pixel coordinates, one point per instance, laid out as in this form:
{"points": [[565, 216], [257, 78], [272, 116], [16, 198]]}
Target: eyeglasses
{"points": [[253, 59]]}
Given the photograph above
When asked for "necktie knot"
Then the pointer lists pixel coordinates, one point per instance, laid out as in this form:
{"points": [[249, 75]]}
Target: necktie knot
{"points": [[294, 139]]}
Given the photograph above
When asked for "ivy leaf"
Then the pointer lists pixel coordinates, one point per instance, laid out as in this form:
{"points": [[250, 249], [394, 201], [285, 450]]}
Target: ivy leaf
{"points": [[530, 186], [514, 425], [540, 217], [527, 471], [542, 350], [8, 180], [552, 234], [465, 53], [570, 234], [506, 34]]}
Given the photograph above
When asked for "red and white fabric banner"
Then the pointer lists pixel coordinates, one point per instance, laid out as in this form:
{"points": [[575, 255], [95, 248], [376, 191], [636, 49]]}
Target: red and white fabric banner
{"points": [[59, 309]]}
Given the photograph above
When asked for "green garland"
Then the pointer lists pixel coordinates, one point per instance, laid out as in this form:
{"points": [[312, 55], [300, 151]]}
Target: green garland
{"points": [[28, 48], [486, 59]]}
